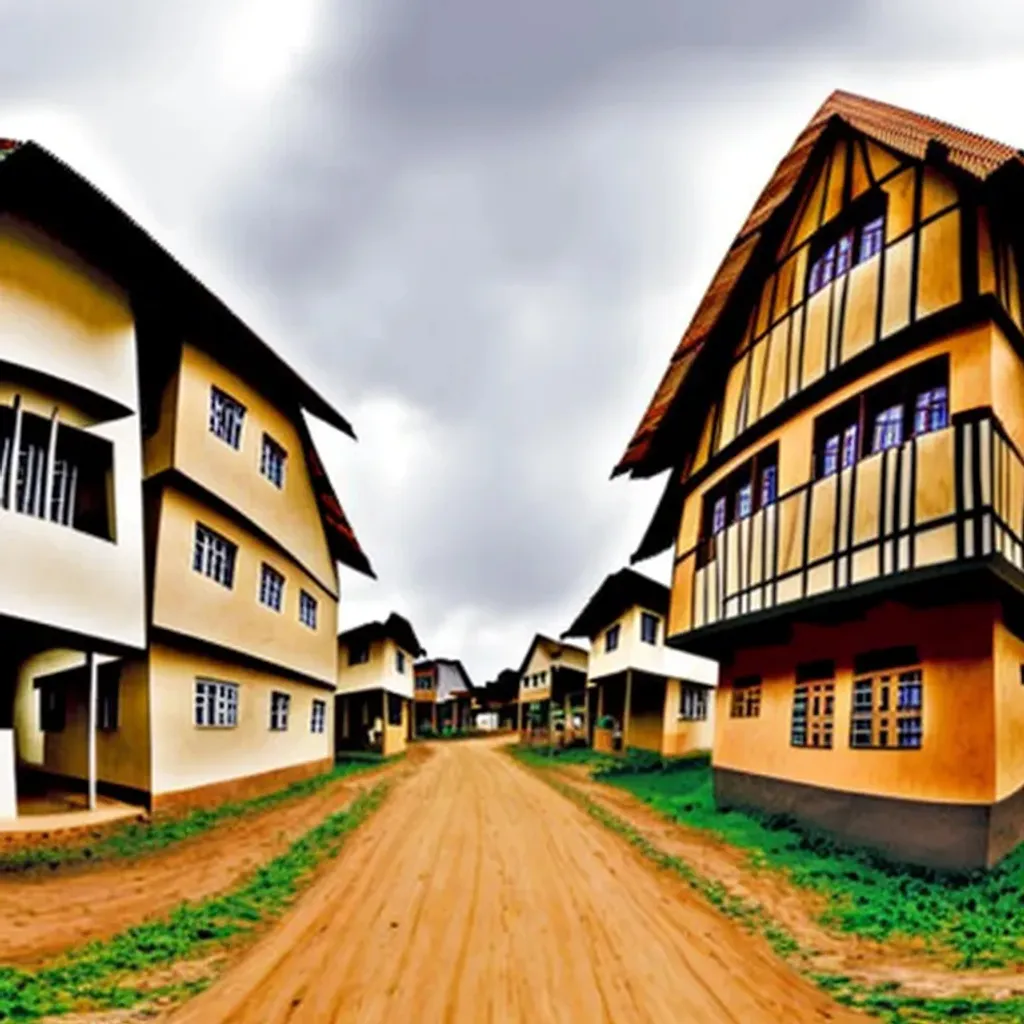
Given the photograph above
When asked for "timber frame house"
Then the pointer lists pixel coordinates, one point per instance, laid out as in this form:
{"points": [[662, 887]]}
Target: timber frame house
{"points": [[843, 426]]}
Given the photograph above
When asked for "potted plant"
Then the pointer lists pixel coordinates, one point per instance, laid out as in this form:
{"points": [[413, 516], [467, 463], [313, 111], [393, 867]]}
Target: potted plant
{"points": [[603, 733]]}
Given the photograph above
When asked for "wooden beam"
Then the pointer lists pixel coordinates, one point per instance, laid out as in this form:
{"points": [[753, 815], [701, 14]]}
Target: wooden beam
{"points": [[92, 670], [626, 710]]}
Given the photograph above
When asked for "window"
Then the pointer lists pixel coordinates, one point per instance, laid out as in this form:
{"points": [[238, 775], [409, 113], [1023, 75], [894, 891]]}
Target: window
{"points": [[52, 707], [271, 587], [836, 439], [872, 237], [394, 709], [358, 653], [216, 704], [693, 703], [888, 431], [272, 457], [887, 711], [648, 628], [318, 716], [746, 697], [214, 556], [307, 609], [226, 417], [931, 411], [400, 662], [834, 255], [752, 487], [279, 705], [812, 723], [108, 697], [611, 639], [75, 492]]}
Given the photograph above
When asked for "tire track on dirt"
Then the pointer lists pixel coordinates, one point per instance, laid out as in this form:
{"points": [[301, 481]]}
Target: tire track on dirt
{"points": [[477, 893]]}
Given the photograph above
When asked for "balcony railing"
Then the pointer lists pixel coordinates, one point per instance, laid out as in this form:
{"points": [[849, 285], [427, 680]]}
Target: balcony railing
{"points": [[54, 471], [949, 495]]}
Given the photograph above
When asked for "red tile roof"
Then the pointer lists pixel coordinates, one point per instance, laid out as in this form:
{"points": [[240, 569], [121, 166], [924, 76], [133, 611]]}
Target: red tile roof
{"points": [[901, 130]]}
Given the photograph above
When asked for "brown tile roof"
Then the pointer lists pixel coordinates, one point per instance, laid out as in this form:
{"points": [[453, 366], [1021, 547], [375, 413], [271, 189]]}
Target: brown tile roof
{"points": [[902, 130]]}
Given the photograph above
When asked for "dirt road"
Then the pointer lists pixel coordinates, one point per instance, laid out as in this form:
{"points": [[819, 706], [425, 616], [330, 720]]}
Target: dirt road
{"points": [[479, 894], [47, 914]]}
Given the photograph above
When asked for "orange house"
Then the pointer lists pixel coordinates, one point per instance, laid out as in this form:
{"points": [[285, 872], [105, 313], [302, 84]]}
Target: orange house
{"points": [[843, 428]]}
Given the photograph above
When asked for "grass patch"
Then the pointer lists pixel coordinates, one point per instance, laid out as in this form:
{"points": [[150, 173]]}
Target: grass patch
{"points": [[140, 838], [979, 916], [99, 976], [883, 1001]]}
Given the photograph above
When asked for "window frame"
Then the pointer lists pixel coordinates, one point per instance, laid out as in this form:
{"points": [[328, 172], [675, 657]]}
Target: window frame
{"points": [[273, 454], [309, 609], [883, 717], [859, 220], [362, 649], [108, 697], [812, 713], [271, 578], [280, 710], [611, 638], [400, 662], [203, 555], [745, 698], [218, 696], [318, 716], [697, 699], [218, 419], [652, 620]]}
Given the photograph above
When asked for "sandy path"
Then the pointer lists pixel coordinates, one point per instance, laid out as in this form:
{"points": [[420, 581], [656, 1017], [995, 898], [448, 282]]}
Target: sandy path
{"points": [[479, 894], [44, 915]]}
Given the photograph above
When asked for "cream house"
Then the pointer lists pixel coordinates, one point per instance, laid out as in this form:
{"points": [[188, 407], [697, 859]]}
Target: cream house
{"points": [[375, 686], [658, 699], [169, 537], [552, 680]]}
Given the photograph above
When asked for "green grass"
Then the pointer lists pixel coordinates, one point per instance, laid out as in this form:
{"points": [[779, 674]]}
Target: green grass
{"points": [[978, 916], [139, 838], [102, 975], [684, 779]]}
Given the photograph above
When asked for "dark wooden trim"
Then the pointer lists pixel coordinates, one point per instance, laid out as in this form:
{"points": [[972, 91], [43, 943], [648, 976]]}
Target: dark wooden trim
{"points": [[915, 265], [914, 335]]}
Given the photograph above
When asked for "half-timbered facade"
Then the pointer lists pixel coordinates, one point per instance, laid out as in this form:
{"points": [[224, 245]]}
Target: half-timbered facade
{"points": [[843, 423]]}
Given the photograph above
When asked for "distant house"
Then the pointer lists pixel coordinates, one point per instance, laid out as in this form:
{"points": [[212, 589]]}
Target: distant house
{"points": [[499, 702], [552, 688], [443, 695], [658, 698], [373, 705]]}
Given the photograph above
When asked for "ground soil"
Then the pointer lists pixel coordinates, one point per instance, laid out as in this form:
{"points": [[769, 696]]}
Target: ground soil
{"points": [[478, 893], [918, 971], [46, 914]]}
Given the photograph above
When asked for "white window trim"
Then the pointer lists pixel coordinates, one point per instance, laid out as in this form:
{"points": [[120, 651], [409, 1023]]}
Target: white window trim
{"points": [[280, 710], [221, 706]]}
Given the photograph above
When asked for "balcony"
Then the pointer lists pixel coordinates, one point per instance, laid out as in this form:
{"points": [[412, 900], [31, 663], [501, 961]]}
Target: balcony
{"points": [[939, 503]]}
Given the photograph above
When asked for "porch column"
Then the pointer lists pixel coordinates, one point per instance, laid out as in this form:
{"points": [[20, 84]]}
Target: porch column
{"points": [[384, 722], [600, 701], [519, 716], [51, 456], [626, 710], [433, 714], [90, 661]]}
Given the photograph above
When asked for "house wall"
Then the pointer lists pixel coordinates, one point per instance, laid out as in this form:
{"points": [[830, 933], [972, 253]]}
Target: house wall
{"points": [[395, 735], [775, 537], [186, 756], [61, 319], [289, 515], [380, 671], [190, 603], [956, 762]]}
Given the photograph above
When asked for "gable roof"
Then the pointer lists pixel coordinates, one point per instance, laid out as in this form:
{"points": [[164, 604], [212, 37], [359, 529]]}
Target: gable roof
{"points": [[552, 644], [618, 593], [39, 186], [395, 627], [913, 135]]}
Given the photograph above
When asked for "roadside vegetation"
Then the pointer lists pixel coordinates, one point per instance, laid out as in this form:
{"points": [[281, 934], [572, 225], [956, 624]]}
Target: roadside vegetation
{"points": [[113, 974], [978, 917], [137, 839]]}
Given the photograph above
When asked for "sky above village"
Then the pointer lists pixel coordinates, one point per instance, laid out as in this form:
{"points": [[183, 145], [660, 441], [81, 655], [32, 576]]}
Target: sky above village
{"points": [[478, 228]]}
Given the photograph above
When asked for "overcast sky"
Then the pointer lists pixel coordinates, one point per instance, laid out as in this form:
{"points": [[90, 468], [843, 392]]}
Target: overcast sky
{"points": [[479, 227]]}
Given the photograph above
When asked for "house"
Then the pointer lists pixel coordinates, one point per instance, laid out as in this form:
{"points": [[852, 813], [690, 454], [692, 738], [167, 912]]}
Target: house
{"points": [[842, 430], [373, 706], [553, 693], [443, 695], [659, 699], [499, 702], [168, 534]]}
